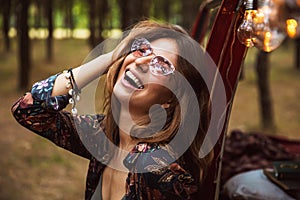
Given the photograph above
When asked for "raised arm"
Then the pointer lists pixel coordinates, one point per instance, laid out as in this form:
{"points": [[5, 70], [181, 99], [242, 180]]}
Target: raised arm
{"points": [[83, 74], [41, 109]]}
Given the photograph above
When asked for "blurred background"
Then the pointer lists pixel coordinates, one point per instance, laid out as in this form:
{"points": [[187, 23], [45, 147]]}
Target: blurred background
{"points": [[42, 37]]}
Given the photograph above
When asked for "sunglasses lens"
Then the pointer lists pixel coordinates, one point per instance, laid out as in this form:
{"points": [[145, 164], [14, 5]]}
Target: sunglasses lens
{"points": [[161, 66], [141, 47]]}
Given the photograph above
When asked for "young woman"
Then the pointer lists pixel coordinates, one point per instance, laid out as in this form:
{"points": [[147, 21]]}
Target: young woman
{"points": [[147, 142]]}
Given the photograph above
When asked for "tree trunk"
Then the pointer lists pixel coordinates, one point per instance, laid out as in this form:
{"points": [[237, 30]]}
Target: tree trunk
{"points": [[38, 16], [69, 23], [161, 9], [49, 10], [297, 56], [189, 13], [166, 9], [23, 44], [6, 16], [133, 11], [103, 7], [264, 93], [92, 23]]}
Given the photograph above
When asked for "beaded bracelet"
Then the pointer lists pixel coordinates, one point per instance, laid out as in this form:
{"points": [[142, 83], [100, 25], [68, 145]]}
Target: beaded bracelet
{"points": [[74, 91]]}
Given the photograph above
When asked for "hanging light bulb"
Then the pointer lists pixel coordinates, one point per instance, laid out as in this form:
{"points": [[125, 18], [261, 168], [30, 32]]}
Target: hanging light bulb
{"points": [[245, 30], [268, 31], [292, 17]]}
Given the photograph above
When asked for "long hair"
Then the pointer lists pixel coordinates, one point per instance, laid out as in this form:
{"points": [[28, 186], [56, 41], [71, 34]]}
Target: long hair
{"points": [[181, 112]]}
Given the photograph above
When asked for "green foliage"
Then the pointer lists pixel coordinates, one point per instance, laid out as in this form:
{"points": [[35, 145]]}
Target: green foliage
{"points": [[80, 14], [114, 15]]}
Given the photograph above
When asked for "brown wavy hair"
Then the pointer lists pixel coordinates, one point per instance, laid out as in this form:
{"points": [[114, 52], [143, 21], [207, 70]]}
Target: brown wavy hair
{"points": [[181, 112]]}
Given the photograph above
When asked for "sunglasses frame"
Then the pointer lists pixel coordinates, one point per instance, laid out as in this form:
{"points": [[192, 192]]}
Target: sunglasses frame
{"points": [[147, 50]]}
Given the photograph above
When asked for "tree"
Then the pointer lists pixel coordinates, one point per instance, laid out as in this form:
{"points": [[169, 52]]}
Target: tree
{"points": [[68, 20], [38, 14], [97, 22], [49, 11], [92, 22], [23, 43], [65, 9], [6, 8], [133, 11], [265, 99], [162, 9], [297, 52], [189, 11]]}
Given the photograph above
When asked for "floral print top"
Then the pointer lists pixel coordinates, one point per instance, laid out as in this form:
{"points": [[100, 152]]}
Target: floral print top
{"points": [[43, 114]]}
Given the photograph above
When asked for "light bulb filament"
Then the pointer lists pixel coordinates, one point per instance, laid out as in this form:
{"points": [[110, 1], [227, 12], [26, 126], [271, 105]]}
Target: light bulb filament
{"points": [[267, 39], [291, 27]]}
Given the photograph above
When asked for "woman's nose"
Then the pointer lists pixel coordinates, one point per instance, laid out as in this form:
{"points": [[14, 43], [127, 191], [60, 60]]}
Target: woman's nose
{"points": [[143, 67], [142, 63]]}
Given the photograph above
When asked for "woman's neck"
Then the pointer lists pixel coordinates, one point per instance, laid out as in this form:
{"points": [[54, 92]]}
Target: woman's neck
{"points": [[125, 125]]}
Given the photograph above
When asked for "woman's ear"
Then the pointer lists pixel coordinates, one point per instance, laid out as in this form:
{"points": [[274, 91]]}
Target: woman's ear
{"points": [[166, 105]]}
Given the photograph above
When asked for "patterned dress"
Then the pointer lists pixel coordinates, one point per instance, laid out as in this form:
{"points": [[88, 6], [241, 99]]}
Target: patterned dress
{"points": [[44, 115]]}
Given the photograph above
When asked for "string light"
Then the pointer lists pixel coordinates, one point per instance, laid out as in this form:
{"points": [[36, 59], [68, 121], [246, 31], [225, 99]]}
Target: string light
{"points": [[268, 29], [265, 24], [245, 30]]}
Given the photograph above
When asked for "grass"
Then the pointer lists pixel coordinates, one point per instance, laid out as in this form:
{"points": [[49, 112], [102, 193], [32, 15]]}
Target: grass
{"points": [[35, 168]]}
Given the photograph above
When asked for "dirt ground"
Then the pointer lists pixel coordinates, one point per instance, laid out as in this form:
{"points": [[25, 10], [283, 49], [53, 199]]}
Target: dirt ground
{"points": [[31, 167]]}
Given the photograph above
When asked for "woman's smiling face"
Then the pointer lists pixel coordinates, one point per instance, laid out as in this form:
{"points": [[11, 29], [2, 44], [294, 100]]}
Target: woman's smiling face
{"points": [[140, 87]]}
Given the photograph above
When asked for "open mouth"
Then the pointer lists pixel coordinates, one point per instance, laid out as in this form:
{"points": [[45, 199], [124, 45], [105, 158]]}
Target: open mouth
{"points": [[133, 80]]}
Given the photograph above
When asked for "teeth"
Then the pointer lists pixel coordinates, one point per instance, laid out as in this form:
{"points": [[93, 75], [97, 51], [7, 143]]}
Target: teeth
{"points": [[131, 78]]}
